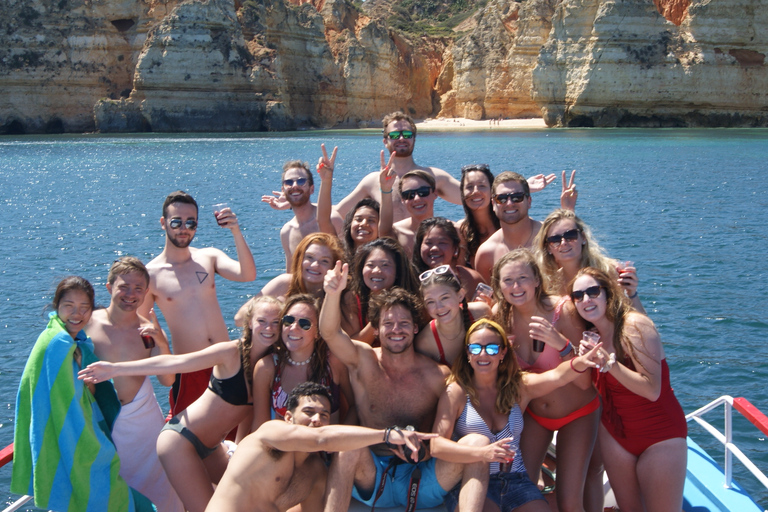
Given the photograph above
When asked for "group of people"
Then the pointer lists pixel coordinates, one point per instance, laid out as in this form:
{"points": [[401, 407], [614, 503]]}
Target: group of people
{"points": [[403, 359]]}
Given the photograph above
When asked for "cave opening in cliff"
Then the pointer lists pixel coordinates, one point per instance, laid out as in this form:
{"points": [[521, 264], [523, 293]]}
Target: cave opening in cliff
{"points": [[15, 127], [124, 24]]}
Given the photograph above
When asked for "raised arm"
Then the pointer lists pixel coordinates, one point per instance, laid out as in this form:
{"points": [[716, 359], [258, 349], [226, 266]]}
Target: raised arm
{"points": [[225, 353], [325, 168], [338, 341], [386, 182], [539, 182], [540, 384], [447, 186], [361, 191], [244, 269], [629, 282]]}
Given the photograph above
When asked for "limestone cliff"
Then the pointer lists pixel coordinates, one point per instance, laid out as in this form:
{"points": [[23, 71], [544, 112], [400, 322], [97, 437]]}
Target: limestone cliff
{"points": [[623, 63]]}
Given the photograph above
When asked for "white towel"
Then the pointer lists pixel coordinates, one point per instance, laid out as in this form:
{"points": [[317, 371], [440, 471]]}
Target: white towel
{"points": [[135, 436]]}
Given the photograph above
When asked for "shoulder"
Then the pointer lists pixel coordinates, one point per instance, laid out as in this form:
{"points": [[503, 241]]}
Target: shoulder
{"points": [[278, 286], [640, 323]]}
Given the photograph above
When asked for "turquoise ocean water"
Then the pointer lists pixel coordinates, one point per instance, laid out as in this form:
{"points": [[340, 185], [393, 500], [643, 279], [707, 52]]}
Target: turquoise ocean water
{"points": [[689, 207]]}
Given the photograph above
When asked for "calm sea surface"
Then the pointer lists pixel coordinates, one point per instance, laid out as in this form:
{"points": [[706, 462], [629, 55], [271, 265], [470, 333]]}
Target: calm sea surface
{"points": [[690, 207]]}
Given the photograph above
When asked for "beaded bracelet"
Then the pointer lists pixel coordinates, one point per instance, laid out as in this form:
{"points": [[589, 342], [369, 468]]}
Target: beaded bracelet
{"points": [[574, 368]]}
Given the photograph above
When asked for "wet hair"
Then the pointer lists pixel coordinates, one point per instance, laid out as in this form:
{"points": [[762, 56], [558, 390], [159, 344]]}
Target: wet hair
{"points": [[395, 296], [318, 366], [617, 309], [178, 197], [418, 173], [127, 265], [73, 283], [506, 176], [451, 281], [592, 255], [424, 228], [509, 380], [297, 277], [405, 276], [504, 313], [309, 389], [297, 164], [397, 116], [349, 242], [246, 339], [469, 227]]}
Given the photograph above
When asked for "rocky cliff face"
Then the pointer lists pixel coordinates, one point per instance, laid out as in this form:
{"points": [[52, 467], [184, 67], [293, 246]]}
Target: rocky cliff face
{"points": [[623, 63]]}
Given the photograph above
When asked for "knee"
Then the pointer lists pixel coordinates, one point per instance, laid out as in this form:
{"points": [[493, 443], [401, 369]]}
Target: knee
{"points": [[474, 440]]}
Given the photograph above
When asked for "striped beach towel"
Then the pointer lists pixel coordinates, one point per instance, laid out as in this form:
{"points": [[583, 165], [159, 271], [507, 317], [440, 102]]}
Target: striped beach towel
{"points": [[63, 453]]}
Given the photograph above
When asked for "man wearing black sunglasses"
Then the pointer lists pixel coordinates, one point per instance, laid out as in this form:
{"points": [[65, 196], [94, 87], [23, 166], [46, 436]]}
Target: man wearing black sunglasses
{"points": [[511, 199], [182, 285]]}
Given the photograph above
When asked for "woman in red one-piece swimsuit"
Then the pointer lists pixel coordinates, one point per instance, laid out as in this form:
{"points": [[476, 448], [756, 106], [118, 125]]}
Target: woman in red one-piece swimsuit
{"points": [[643, 429]]}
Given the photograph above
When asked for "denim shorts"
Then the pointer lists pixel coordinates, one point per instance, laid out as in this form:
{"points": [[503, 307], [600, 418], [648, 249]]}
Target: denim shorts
{"points": [[507, 490]]}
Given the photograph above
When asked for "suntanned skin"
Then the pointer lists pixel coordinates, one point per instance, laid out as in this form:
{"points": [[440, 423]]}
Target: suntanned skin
{"points": [[116, 332], [183, 285], [278, 466], [418, 208], [447, 185], [384, 380], [517, 230]]}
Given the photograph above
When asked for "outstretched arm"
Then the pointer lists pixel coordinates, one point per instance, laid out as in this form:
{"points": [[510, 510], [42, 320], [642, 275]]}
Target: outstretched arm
{"points": [[225, 353], [338, 341], [244, 269], [386, 181], [540, 384], [325, 168], [539, 182], [448, 187]]}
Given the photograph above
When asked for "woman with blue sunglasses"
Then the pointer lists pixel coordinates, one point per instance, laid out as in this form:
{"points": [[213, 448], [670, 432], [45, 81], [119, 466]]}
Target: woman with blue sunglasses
{"points": [[486, 395], [299, 355]]}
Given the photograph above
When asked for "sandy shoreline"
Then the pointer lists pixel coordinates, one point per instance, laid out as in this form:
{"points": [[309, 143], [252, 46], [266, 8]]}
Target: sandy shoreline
{"points": [[461, 124]]}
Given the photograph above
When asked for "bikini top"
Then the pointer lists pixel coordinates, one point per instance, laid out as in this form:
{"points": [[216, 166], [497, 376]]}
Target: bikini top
{"points": [[233, 390], [550, 357], [279, 396], [433, 326]]}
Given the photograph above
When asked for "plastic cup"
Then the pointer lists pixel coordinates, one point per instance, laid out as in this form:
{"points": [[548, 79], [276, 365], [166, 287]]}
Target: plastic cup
{"points": [[623, 265], [217, 208], [483, 289], [538, 346], [149, 341]]}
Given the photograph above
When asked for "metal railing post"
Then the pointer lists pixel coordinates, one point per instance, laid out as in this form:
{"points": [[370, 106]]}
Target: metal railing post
{"points": [[728, 440]]}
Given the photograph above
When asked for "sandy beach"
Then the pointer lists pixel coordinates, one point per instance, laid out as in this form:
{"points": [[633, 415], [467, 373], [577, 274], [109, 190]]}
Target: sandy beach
{"points": [[461, 124]]}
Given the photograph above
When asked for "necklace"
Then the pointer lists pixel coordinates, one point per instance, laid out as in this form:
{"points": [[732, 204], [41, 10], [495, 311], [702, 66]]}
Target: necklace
{"points": [[299, 363]]}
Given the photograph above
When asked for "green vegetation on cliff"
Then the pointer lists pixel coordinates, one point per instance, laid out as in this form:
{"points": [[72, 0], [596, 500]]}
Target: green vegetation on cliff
{"points": [[423, 17]]}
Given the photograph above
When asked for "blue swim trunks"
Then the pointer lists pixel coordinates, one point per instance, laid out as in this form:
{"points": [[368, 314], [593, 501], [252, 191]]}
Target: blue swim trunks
{"points": [[396, 484]]}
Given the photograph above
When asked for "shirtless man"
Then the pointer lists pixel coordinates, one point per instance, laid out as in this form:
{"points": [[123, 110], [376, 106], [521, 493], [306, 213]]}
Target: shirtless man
{"points": [[183, 286], [117, 333], [280, 465], [394, 386], [297, 187], [511, 200], [417, 191], [400, 140]]}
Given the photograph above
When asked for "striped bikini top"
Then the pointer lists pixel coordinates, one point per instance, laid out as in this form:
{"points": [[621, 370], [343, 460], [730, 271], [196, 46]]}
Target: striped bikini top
{"points": [[470, 422]]}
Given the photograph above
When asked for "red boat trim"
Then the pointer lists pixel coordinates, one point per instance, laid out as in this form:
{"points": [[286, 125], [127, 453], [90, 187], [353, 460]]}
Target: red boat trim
{"points": [[6, 455], [752, 413]]}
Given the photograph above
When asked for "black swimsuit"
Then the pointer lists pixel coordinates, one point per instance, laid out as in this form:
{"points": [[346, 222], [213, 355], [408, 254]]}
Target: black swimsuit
{"points": [[233, 390]]}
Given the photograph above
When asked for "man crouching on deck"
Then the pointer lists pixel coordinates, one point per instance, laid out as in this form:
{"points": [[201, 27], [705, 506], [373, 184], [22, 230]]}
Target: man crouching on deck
{"points": [[182, 283], [278, 466], [393, 386]]}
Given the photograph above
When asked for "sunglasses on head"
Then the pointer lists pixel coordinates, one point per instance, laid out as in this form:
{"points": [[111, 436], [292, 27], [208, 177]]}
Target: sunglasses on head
{"points": [[491, 349], [515, 197], [593, 292], [475, 167], [408, 195], [176, 223], [300, 182], [569, 236], [442, 269], [406, 134], [304, 323]]}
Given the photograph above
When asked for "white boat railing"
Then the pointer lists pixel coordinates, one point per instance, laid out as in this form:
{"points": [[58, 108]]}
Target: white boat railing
{"points": [[6, 456], [750, 412]]}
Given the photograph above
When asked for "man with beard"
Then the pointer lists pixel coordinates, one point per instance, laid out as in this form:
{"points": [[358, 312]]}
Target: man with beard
{"points": [[297, 187], [118, 334], [182, 283], [400, 139], [394, 386], [511, 200]]}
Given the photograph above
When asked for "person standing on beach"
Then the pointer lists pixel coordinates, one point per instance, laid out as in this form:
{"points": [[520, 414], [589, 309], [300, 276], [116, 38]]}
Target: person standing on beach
{"points": [[118, 333], [511, 198], [297, 186], [182, 283]]}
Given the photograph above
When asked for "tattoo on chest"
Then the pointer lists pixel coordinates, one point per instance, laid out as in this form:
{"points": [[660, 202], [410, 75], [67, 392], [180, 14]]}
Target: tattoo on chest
{"points": [[201, 276]]}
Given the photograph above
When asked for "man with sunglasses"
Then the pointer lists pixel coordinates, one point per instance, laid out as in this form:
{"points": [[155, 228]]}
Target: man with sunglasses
{"points": [[511, 198], [393, 386], [400, 140], [297, 187], [182, 285], [417, 191]]}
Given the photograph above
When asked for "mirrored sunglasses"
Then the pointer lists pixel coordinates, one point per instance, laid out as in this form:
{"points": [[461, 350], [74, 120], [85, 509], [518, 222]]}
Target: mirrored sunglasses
{"points": [[491, 349], [190, 224], [406, 134], [515, 197], [304, 323], [300, 182]]}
